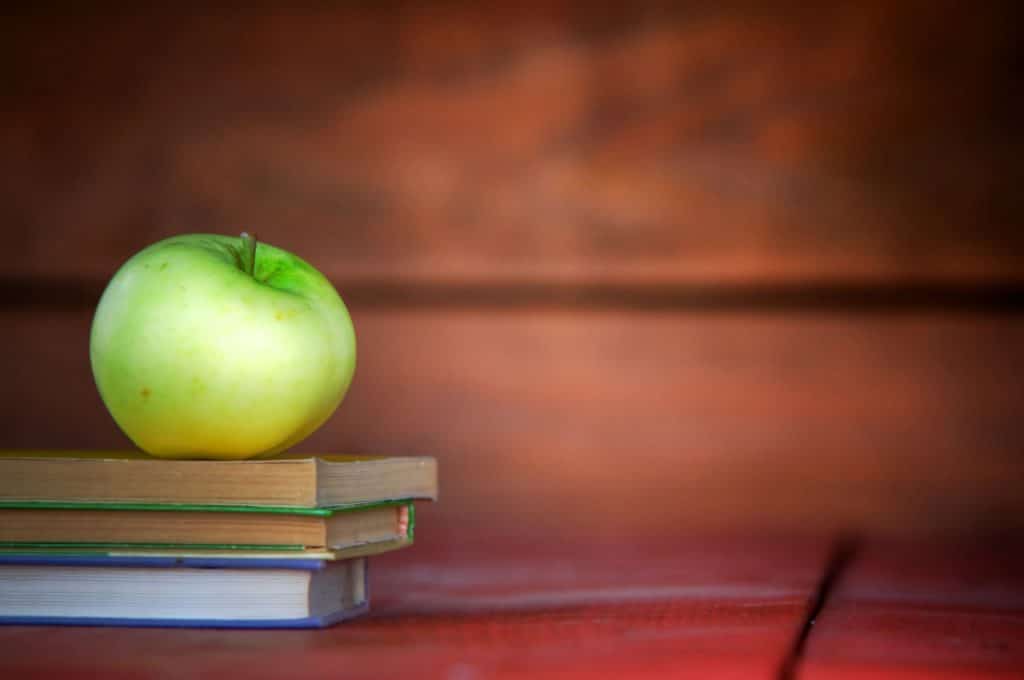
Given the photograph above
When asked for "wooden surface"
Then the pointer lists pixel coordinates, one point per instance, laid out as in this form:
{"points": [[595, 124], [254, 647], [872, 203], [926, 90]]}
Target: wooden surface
{"points": [[907, 611], [720, 608], [470, 605]]}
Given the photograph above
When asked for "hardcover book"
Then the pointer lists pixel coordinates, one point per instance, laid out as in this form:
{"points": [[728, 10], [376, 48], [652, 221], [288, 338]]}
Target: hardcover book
{"points": [[287, 480], [208, 592], [51, 524]]}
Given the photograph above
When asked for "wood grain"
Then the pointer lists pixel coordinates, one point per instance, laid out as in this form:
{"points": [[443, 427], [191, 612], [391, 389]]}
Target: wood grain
{"points": [[551, 142], [616, 423], [724, 610], [907, 610]]}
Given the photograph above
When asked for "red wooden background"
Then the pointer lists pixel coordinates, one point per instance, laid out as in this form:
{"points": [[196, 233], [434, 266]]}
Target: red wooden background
{"points": [[624, 269]]}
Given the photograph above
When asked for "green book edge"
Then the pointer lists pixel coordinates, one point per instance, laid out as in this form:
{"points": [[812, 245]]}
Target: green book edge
{"points": [[184, 507], [9, 546]]}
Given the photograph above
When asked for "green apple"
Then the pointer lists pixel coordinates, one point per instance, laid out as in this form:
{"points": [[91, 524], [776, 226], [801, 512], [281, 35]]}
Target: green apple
{"points": [[209, 346]]}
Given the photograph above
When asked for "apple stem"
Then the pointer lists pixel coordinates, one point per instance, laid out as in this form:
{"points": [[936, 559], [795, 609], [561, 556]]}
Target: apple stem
{"points": [[249, 253]]}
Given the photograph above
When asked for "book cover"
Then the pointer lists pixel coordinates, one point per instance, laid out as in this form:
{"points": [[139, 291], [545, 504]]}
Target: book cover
{"points": [[357, 594], [284, 551], [289, 480]]}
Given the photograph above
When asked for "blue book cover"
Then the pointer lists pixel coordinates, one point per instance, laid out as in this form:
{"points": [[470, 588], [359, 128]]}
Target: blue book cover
{"points": [[354, 578]]}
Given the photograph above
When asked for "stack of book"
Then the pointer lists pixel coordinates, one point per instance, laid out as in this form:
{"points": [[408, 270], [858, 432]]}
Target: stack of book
{"points": [[122, 538]]}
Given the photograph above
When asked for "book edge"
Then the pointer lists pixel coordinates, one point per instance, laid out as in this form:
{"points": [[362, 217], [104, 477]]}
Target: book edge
{"points": [[307, 622]]}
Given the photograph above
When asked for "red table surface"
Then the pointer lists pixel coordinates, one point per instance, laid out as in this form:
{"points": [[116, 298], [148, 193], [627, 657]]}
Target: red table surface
{"points": [[915, 610], [725, 608], [474, 606]]}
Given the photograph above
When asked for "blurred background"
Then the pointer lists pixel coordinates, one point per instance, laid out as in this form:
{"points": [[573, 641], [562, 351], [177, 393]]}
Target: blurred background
{"points": [[639, 269]]}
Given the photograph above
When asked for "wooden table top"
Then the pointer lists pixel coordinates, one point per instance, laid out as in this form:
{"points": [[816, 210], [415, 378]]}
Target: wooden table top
{"points": [[474, 607]]}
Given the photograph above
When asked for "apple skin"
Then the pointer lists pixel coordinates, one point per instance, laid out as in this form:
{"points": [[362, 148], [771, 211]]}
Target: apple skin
{"points": [[195, 357]]}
